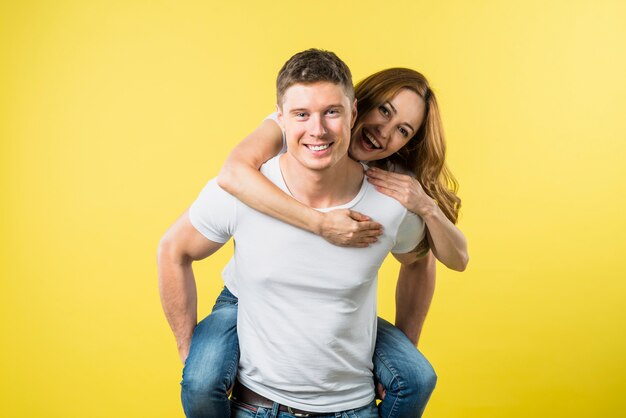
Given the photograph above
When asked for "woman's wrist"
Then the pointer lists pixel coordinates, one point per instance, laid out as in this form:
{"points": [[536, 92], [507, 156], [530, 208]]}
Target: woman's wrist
{"points": [[316, 221], [429, 211]]}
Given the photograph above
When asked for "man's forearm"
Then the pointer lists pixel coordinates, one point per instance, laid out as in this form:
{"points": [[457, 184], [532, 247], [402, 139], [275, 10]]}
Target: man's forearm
{"points": [[414, 293], [177, 287]]}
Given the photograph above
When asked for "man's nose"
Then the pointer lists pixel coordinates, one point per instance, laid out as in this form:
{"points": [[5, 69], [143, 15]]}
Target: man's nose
{"points": [[316, 127]]}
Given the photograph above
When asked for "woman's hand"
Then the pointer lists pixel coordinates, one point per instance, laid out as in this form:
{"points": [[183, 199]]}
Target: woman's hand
{"points": [[348, 228], [446, 240], [405, 189]]}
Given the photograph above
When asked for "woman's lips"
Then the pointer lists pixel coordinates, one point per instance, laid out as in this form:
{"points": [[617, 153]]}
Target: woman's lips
{"points": [[369, 142]]}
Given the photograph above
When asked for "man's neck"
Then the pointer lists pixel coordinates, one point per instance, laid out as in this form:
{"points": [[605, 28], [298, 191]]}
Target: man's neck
{"points": [[334, 186]]}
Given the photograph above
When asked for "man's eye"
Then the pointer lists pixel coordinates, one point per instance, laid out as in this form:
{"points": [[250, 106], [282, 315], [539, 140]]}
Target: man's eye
{"points": [[300, 115]]}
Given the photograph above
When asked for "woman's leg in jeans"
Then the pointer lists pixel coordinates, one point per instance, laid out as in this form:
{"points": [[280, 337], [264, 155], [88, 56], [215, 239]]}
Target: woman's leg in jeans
{"points": [[406, 375], [211, 366]]}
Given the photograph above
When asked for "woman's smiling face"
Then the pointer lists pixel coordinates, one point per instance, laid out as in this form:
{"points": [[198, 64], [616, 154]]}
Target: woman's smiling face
{"points": [[387, 128]]}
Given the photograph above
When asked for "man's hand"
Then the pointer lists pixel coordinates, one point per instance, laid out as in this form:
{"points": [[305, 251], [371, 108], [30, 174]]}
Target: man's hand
{"points": [[380, 391], [348, 228], [180, 246], [183, 352]]}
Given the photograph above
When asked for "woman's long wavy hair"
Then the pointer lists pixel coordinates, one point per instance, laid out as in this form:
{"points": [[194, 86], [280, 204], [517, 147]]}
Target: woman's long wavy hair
{"points": [[425, 154]]}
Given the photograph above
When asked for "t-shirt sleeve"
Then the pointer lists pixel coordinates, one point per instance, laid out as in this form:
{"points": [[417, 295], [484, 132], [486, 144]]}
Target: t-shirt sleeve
{"points": [[214, 213], [274, 117], [410, 233]]}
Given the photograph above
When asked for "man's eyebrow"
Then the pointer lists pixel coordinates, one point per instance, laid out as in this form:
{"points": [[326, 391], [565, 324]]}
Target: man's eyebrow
{"points": [[396, 112], [304, 109]]}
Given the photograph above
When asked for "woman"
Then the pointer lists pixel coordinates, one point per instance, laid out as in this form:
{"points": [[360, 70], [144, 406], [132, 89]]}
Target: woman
{"points": [[398, 128]]}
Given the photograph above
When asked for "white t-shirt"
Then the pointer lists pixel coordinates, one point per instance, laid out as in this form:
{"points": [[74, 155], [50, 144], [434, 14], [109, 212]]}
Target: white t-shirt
{"points": [[307, 308]]}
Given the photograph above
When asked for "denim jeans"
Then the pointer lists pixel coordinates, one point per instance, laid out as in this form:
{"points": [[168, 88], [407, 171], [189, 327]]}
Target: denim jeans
{"points": [[241, 410], [404, 372], [211, 368]]}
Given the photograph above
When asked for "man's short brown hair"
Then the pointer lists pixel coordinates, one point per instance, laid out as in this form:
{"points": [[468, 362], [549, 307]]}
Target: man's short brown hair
{"points": [[312, 66]]}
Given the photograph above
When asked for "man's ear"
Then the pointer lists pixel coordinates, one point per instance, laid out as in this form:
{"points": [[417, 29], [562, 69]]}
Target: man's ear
{"points": [[279, 115], [354, 113]]}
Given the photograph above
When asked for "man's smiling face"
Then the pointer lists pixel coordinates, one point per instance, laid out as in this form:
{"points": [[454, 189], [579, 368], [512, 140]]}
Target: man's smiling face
{"points": [[317, 119]]}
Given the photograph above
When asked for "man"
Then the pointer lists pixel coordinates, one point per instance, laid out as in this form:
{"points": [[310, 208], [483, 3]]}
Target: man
{"points": [[307, 309]]}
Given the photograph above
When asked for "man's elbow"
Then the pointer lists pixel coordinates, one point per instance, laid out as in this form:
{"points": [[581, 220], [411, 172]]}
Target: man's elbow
{"points": [[168, 252], [163, 248], [163, 255]]}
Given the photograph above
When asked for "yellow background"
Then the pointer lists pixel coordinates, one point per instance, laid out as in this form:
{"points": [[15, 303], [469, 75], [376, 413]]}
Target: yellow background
{"points": [[113, 115]]}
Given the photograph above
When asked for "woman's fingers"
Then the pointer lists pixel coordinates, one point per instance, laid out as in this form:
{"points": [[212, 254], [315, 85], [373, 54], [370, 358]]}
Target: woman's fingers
{"points": [[410, 195], [358, 216], [384, 174], [400, 182], [364, 222], [405, 189], [349, 228], [392, 192]]}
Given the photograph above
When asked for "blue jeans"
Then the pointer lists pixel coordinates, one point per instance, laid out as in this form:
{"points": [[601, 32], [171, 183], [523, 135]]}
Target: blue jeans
{"points": [[241, 410], [211, 368]]}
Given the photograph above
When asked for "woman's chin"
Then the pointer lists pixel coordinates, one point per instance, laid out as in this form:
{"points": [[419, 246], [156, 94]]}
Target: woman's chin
{"points": [[360, 154]]}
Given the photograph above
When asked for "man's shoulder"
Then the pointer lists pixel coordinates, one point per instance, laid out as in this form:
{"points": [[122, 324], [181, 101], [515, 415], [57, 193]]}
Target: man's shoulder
{"points": [[381, 200], [212, 196], [387, 210], [213, 212]]}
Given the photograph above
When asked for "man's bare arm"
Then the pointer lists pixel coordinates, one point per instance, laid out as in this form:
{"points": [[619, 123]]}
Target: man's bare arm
{"points": [[179, 247], [240, 177]]}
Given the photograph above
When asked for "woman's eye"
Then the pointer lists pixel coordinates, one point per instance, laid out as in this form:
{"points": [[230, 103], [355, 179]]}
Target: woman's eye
{"points": [[404, 132], [384, 110]]}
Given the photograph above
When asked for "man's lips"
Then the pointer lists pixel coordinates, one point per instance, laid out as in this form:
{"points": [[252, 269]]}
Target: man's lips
{"points": [[318, 147], [320, 150]]}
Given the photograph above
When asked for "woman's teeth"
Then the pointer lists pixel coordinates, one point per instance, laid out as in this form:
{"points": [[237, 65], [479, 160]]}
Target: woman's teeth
{"points": [[372, 140]]}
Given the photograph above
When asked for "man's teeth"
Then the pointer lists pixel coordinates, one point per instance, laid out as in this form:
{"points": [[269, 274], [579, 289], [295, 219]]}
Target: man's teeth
{"points": [[372, 140], [319, 147]]}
